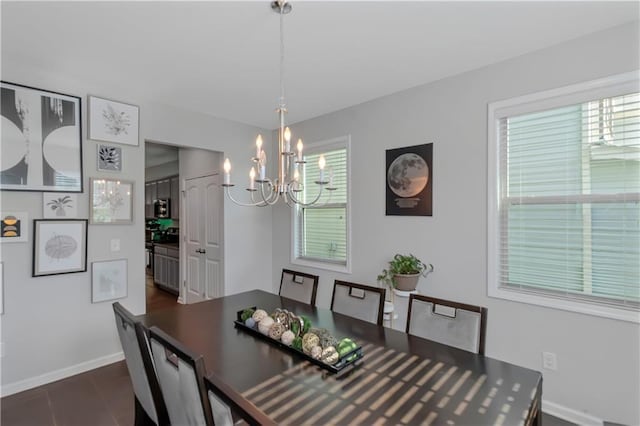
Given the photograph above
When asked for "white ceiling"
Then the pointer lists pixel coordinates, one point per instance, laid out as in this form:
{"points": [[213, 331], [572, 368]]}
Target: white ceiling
{"points": [[222, 58]]}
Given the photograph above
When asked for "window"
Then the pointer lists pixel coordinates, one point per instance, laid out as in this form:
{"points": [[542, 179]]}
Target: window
{"points": [[564, 198], [321, 231]]}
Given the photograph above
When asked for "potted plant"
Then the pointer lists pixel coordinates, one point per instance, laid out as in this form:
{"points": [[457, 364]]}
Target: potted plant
{"points": [[404, 271]]}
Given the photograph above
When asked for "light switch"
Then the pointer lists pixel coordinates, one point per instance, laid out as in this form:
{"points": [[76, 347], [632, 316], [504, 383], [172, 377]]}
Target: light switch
{"points": [[115, 244]]}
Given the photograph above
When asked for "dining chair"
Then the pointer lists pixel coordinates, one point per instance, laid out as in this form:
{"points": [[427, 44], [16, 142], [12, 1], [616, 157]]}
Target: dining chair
{"points": [[149, 403], [181, 378], [358, 300], [224, 399], [299, 286], [451, 323]]}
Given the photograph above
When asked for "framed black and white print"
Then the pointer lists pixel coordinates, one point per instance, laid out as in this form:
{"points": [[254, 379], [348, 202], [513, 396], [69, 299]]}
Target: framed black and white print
{"points": [[59, 246], [112, 121], [109, 158], [108, 280], [41, 146], [56, 205], [409, 181]]}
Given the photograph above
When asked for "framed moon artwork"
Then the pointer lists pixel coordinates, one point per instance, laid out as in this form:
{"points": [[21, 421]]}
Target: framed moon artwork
{"points": [[409, 178]]}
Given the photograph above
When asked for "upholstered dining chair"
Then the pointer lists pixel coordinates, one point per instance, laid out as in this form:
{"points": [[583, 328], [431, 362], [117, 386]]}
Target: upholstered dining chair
{"points": [[299, 286], [224, 399], [451, 323], [358, 300], [149, 404], [181, 377]]}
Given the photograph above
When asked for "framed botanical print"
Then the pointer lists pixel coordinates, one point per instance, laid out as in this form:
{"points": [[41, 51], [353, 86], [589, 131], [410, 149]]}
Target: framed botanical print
{"points": [[41, 146], [59, 246], [108, 280], [409, 178], [111, 202], [56, 205], [112, 121], [109, 158]]}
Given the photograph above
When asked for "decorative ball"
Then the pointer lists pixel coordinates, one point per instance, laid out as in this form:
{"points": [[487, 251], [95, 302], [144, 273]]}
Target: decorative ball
{"points": [[287, 337], [250, 322], [297, 343], [265, 324], [276, 330], [316, 352], [281, 316], [247, 313], [330, 355], [326, 339], [259, 315], [295, 324], [309, 340]]}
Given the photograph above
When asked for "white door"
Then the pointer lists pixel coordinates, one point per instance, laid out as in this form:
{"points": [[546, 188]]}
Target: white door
{"points": [[203, 234]]}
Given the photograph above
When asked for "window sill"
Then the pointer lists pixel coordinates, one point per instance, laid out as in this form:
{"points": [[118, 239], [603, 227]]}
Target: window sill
{"points": [[566, 305], [336, 267]]}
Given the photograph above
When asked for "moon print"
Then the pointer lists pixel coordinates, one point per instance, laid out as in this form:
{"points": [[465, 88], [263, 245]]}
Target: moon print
{"points": [[408, 175], [60, 247]]}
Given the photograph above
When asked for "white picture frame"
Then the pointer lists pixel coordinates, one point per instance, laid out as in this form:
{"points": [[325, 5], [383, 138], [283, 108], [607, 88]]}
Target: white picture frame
{"points": [[108, 158], [108, 280], [1, 288], [112, 121], [111, 202], [14, 227], [59, 246], [59, 205]]}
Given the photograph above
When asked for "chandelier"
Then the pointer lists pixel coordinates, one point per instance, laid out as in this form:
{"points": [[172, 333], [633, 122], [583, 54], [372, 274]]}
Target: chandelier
{"points": [[288, 185]]}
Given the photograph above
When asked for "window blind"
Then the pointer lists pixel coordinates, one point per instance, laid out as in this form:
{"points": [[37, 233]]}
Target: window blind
{"points": [[570, 201], [322, 229]]}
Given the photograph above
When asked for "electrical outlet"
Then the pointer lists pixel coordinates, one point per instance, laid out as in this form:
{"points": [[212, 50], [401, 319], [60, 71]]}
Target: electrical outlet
{"points": [[115, 244], [549, 361]]}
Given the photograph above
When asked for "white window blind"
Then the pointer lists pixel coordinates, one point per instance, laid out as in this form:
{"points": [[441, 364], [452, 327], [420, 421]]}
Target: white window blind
{"points": [[321, 230], [569, 202]]}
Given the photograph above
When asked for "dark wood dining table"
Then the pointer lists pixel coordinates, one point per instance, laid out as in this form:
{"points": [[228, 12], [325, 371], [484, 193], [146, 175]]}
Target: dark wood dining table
{"points": [[401, 379]]}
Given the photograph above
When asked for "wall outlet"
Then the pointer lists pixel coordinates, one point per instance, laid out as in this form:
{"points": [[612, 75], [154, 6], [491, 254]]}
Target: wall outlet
{"points": [[115, 244], [549, 361]]}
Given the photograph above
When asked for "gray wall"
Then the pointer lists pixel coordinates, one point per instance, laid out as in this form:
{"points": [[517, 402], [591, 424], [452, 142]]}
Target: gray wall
{"points": [[161, 171], [50, 328], [598, 358]]}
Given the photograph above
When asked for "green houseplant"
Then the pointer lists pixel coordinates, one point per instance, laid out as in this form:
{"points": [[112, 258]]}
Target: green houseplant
{"points": [[404, 271]]}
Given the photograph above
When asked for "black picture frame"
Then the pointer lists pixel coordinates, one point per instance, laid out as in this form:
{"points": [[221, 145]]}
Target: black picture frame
{"points": [[41, 140], [409, 181], [59, 246]]}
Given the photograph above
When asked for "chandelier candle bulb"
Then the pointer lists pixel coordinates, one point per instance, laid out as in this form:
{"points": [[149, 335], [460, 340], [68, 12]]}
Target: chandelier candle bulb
{"points": [[299, 146], [252, 178], [263, 165], [227, 172], [287, 140], [321, 164], [258, 146]]}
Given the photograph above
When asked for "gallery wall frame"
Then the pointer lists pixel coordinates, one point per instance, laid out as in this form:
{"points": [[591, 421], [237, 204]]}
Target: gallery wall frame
{"points": [[108, 280], [59, 246], [109, 158], [113, 121], [1, 288], [41, 146], [56, 205], [111, 202], [14, 227], [409, 181]]}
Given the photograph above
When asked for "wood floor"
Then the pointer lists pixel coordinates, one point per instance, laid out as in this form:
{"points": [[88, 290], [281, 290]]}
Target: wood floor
{"points": [[156, 298]]}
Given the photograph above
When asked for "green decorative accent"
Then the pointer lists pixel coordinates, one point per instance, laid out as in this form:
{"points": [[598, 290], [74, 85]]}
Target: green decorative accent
{"points": [[295, 327], [307, 325], [247, 313], [345, 346], [297, 343]]}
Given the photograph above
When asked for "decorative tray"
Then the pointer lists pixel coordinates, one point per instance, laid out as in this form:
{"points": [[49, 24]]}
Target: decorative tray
{"points": [[347, 351]]}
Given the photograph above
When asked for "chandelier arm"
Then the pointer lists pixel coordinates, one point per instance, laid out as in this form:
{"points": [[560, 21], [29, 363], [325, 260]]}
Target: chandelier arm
{"points": [[272, 198], [311, 203], [259, 203], [254, 204]]}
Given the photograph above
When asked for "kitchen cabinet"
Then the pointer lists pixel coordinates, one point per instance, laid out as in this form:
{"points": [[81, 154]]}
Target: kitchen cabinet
{"points": [[150, 194], [166, 268], [175, 197], [164, 188]]}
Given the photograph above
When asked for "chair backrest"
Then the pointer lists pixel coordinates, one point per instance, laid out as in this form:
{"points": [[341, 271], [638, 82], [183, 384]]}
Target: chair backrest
{"points": [[181, 378], [299, 286], [137, 355], [451, 323], [359, 301], [224, 399]]}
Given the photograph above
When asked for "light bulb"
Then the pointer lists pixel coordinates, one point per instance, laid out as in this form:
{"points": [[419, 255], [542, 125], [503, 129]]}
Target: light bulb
{"points": [[227, 166], [321, 162]]}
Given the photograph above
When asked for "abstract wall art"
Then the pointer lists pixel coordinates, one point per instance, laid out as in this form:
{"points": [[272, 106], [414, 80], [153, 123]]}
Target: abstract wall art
{"points": [[14, 227], [59, 246], [41, 140]]}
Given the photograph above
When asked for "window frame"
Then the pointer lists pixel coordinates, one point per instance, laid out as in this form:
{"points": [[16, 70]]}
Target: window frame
{"points": [[573, 94], [342, 142]]}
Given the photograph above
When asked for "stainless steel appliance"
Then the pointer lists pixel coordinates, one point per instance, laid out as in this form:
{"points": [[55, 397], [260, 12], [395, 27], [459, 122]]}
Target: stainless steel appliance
{"points": [[162, 208]]}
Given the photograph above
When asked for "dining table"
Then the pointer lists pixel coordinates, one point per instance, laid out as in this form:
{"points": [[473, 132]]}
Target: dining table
{"points": [[401, 379]]}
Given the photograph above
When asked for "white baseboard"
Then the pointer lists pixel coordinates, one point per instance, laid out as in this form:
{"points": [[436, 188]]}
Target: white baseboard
{"points": [[63, 373], [570, 415]]}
